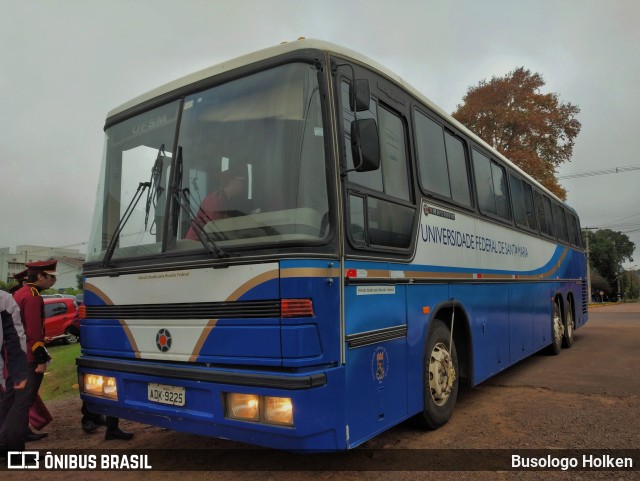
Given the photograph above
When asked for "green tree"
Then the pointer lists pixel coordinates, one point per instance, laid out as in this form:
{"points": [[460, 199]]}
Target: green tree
{"points": [[608, 249], [599, 284], [534, 130], [632, 285]]}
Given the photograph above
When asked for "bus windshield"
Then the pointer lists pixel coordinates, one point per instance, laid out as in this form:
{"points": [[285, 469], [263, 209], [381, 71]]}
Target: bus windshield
{"points": [[249, 169]]}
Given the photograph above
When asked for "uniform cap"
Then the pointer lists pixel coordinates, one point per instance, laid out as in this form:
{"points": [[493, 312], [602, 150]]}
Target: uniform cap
{"points": [[44, 267]]}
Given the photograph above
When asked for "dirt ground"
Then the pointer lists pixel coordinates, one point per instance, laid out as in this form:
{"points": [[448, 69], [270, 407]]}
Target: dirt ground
{"points": [[586, 398]]}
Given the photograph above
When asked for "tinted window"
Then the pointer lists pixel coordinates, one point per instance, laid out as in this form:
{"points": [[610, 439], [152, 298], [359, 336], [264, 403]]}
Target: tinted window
{"points": [[393, 155], [517, 199], [377, 218], [573, 229], [522, 202], [528, 205], [500, 189], [548, 216], [484, 182], [560, 223], [432, 157], [441, 160], [458, 176], [389, 224], [541, 213]]}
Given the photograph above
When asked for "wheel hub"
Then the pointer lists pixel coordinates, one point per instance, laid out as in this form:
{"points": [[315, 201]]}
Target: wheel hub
{"points": [[441, 374]]}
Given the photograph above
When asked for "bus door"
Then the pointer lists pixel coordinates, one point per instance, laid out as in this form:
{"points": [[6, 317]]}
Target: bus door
{"points": [[380, 221]]}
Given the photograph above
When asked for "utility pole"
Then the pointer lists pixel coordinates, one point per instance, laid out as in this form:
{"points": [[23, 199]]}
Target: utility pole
{"points": [[587, 229]]}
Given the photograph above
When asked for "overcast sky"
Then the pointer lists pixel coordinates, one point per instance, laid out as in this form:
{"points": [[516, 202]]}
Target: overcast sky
{"points": [[65, 64]]}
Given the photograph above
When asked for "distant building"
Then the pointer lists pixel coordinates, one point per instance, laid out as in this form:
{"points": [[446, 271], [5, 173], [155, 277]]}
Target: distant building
{"points": [[69, 263]]}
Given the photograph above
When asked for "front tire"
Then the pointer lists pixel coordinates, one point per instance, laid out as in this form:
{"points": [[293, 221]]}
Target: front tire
{"points": [[440, 377], [557, 330]]}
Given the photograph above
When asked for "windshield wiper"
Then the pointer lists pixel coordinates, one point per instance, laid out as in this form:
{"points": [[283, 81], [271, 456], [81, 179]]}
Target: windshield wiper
{"points": [[182, 197], [123, 220], [156, 189]]}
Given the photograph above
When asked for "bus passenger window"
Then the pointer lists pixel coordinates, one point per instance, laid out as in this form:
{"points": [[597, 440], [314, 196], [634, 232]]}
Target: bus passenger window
{"points": [[393, 155], [491, 184], [484, 183], [442, 162], [458, 177]]}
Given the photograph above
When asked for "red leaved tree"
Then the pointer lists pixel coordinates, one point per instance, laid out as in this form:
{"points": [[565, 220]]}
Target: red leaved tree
{"points": [[534, 130]]}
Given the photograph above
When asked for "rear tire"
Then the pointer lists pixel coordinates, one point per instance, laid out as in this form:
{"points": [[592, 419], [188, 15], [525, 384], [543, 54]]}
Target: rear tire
{"points": [[440, 377], [569, 326]]}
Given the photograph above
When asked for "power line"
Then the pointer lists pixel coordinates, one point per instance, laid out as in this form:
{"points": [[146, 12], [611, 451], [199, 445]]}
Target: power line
{"points": [[591, 173]]}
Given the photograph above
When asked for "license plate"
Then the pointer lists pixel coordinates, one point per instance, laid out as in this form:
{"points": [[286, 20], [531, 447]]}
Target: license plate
{"points": [[162, 393]]}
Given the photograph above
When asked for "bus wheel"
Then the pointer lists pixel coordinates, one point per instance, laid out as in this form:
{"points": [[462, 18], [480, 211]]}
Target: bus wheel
{"points": [[569, 326], [557, 330], [440, 377]]}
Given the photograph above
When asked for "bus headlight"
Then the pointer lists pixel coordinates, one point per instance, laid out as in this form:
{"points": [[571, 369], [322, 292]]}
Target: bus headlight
{"points": [[263, 409], [278, 410], [98, 385], [243, 406]]}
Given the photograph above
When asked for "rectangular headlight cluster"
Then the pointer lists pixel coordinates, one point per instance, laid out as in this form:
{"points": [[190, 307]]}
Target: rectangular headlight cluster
{"points": [[98, 385], [264, 409]]}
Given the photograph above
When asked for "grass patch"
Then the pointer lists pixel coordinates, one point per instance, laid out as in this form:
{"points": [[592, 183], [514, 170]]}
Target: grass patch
{"points": [[61, 379]]}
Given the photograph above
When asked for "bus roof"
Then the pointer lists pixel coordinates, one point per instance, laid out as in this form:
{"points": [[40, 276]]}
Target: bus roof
{"points": [[314, 44]]}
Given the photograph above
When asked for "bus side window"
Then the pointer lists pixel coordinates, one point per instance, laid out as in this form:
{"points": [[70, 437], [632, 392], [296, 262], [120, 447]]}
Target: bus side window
{"points": [[539, 203], [522, 202], [560, 223], [442, 164], [528, 205], [379, 217]]}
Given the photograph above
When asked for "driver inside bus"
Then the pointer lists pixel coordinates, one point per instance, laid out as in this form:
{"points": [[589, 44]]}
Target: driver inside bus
{"points": [[223, 202]]}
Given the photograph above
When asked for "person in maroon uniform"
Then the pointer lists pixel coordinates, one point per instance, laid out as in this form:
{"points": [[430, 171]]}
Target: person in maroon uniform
{"points": [[41, 276], [39, 415]]}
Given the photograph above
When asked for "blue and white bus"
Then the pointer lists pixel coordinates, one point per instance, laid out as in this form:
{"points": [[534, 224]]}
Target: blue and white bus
{"points": [[378, 256]]}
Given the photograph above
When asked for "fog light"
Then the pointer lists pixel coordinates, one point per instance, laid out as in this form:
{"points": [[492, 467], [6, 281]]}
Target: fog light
{"points": [[98, 385], [243, 406], [278, 410]]}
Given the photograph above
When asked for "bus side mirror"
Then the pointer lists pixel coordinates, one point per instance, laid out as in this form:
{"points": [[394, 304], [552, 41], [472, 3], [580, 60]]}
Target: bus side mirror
{"points": [[365, 145], [360, 95]]}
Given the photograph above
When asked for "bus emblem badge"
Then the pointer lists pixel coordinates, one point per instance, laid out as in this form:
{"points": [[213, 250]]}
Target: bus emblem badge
{"points": [[380, 364], [163, 340]]}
